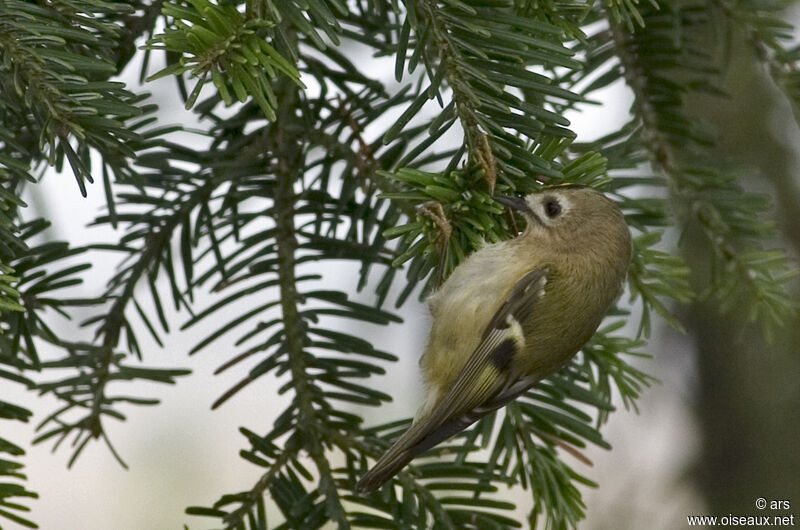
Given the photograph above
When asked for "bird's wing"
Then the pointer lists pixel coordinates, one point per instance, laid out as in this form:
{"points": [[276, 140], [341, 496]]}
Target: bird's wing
{"points": [[485, 383], [487, 380]]}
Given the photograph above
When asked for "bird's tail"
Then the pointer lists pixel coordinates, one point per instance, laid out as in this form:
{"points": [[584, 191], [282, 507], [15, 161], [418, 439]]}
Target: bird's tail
{"points": [[384, 469], [394, 459]]}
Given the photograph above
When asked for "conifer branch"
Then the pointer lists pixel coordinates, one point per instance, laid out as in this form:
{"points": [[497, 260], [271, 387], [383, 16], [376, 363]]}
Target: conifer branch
{"points": [[477, 141], [135, 27], [234, 519], [756, 270], [289, 154], [103, 356]]}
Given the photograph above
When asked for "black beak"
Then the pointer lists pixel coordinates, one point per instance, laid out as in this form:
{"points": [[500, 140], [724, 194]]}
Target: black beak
{"points": [[515, 203]]}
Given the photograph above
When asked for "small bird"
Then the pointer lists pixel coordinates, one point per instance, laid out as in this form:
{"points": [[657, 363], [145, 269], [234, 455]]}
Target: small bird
{"points": [[513, 313]]}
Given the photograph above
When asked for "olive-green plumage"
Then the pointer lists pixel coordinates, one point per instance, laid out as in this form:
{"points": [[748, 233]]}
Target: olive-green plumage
{"points": [[513, 313]]}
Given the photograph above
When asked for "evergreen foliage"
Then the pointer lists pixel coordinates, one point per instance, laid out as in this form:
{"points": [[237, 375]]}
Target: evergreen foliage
{"points": [[311, 159]]}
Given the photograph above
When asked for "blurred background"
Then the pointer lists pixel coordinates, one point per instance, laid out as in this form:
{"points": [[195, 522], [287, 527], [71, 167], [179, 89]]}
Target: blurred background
{"points": [[721, 429]]}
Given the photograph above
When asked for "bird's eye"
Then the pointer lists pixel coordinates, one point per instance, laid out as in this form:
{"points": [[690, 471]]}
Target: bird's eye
{"points": [[552, 207]]}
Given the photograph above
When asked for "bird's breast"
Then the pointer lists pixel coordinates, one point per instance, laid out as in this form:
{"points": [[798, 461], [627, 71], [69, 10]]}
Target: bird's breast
{"points": [[463, 307]]}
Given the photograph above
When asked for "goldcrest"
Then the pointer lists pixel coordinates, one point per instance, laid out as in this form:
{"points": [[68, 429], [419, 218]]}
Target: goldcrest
{"points": [[513, 313]]}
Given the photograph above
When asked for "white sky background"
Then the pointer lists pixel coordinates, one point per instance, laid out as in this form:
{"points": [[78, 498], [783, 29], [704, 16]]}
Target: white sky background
{"points": [[181, 454]]}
